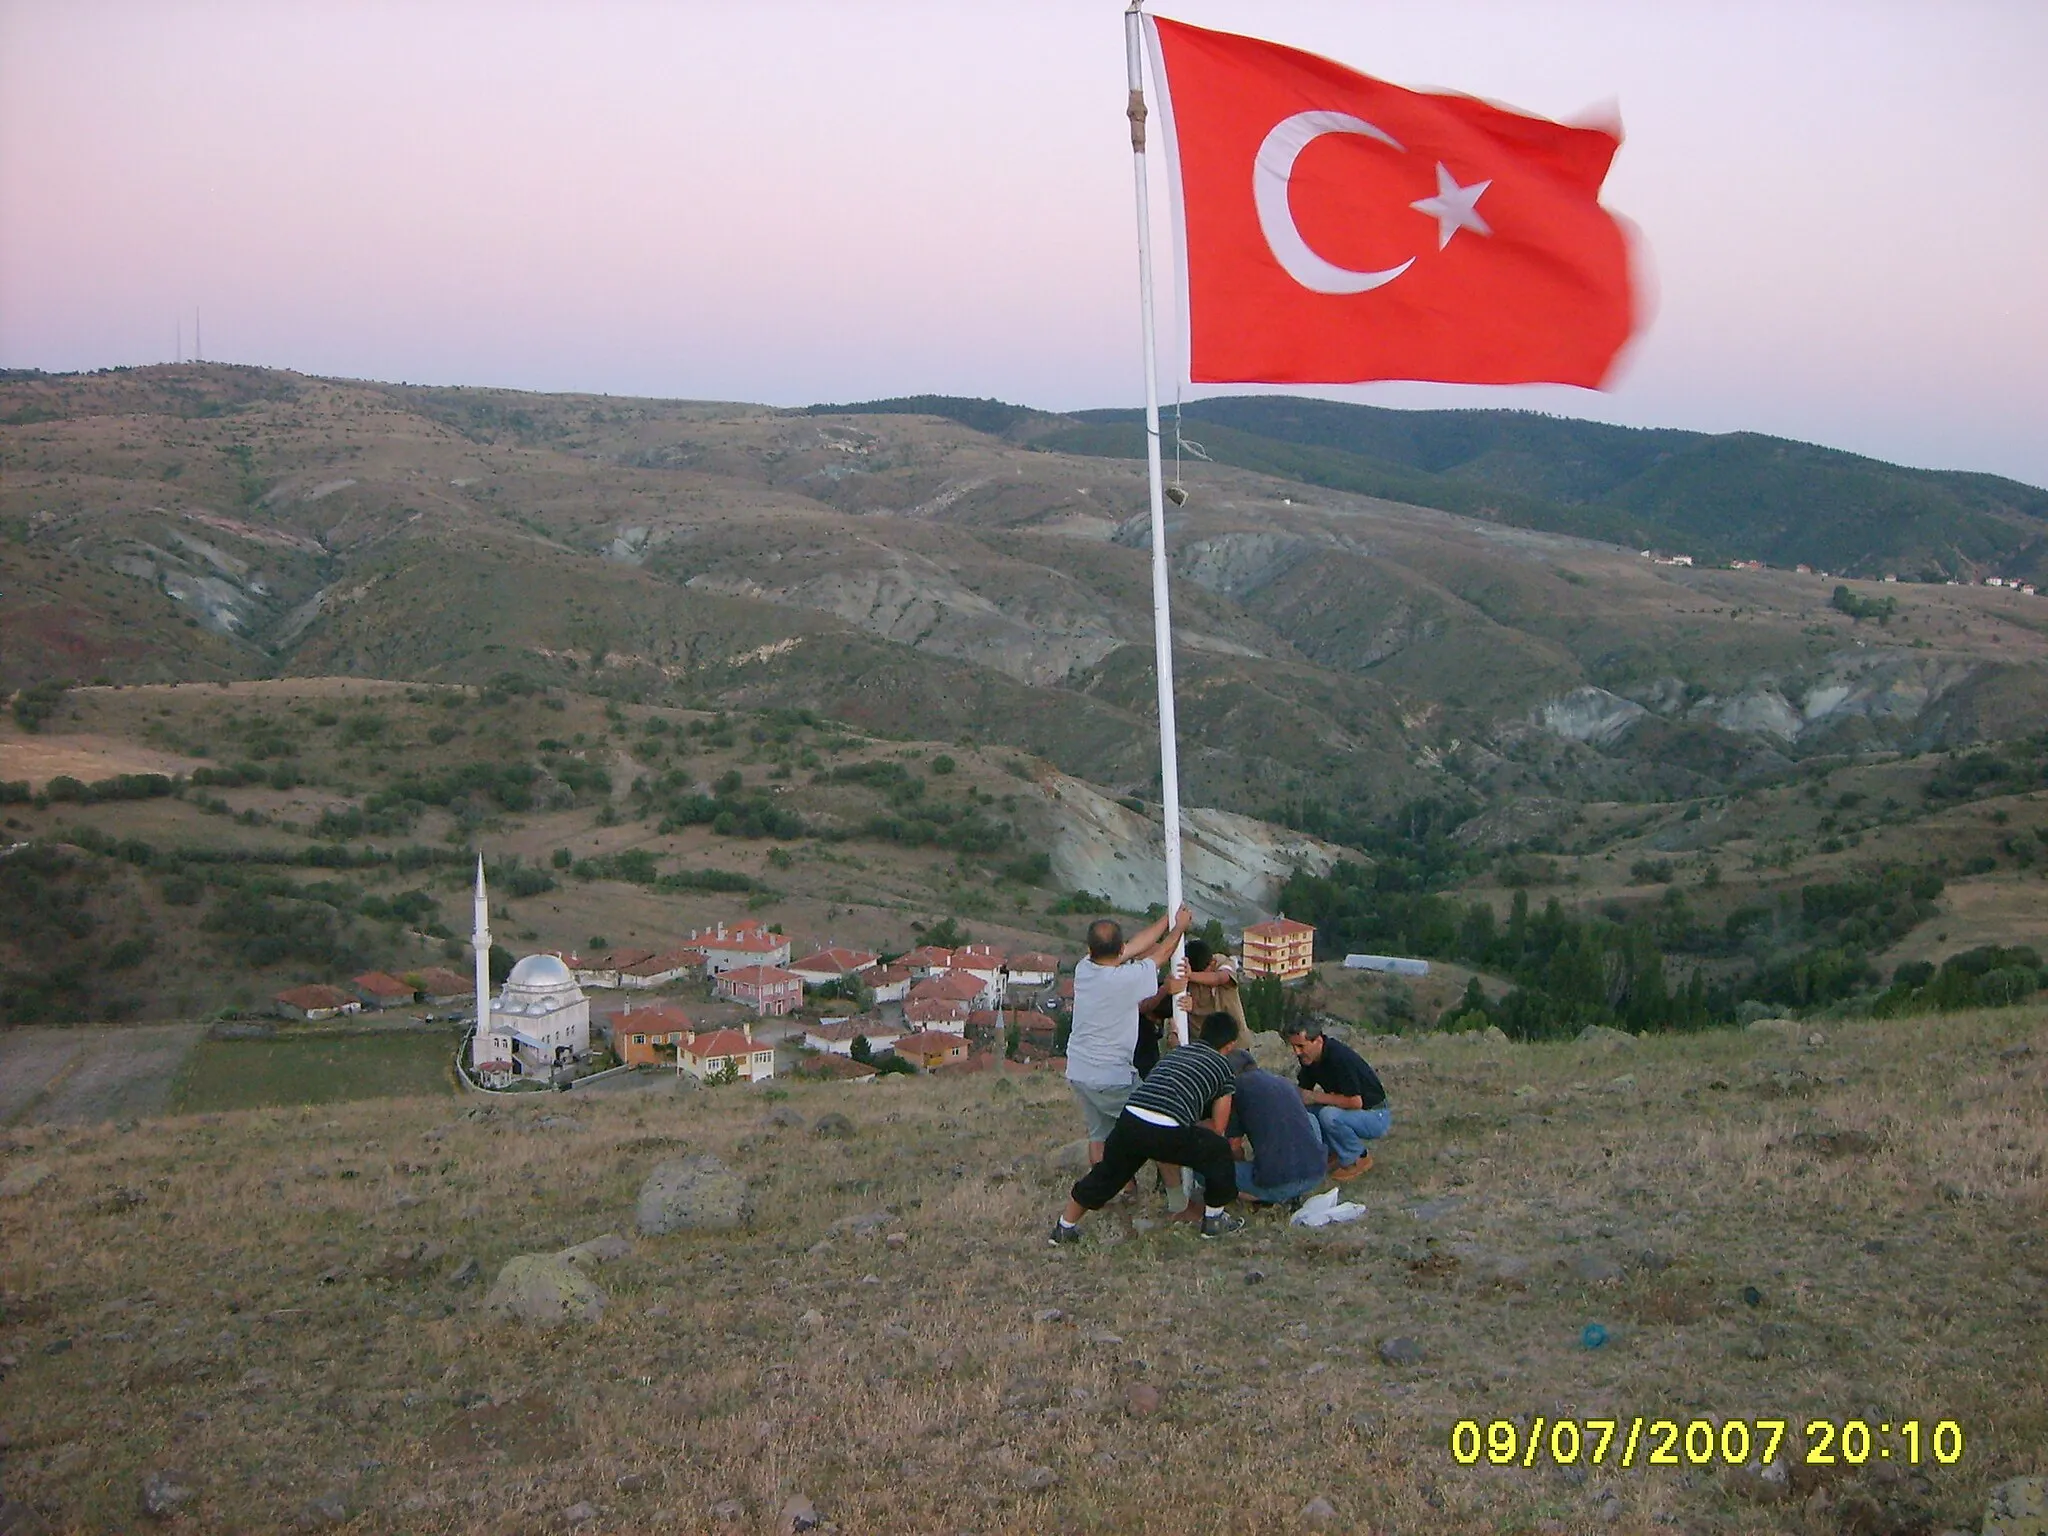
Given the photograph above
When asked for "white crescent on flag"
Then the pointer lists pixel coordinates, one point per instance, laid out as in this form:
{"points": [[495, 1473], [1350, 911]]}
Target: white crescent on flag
{"points": [[1274, 168]]}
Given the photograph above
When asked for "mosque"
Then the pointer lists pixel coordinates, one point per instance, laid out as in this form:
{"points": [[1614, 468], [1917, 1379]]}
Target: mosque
{"points": [[540, 1021]]}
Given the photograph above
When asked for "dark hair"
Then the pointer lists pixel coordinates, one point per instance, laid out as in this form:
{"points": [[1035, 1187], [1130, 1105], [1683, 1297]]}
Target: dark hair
{"points": [[1105, 939], [1218, 1029], [1199, 955], [1301, 1029]]}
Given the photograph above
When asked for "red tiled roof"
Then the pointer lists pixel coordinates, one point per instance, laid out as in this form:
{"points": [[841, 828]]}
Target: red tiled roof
{"points": [[1030, 1021], [722, 1042], [437, 981], [753, 941], [836, 960], [317, 995], [654, 1019], [931, 1044], [1049, 964], [889, 975], [379, 984], [853, 1029], [959, 989], [655, 965], [1278, 928], [930, 1010], [928, 957], [979, 956], [760, 976]]}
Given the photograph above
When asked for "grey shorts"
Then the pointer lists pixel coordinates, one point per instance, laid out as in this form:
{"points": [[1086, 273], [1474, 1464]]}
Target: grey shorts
{"points": [[1101, 1106]]}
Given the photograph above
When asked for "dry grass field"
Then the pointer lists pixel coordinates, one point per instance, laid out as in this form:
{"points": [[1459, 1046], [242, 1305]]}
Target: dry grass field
{"points": [[268, 1304]]}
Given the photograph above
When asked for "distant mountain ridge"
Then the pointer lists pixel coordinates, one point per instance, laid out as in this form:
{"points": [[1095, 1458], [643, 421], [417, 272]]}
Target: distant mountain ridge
{"points": [[1721, 497]]}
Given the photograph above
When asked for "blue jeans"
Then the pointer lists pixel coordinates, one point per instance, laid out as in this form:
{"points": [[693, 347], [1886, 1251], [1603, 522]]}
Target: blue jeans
{"points": [[1346, 1131], [1277, 1194]]}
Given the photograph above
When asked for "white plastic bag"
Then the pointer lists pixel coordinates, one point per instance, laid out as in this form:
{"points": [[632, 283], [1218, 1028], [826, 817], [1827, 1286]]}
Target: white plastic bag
{"points": [[1326, 1209]]}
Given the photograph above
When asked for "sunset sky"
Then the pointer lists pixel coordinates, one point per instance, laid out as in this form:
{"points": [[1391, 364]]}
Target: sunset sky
{"points": [[1846, 203]]}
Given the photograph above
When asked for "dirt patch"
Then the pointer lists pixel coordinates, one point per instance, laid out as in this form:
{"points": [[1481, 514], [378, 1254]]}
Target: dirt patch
{"points": [[523, 1429], [80, 1076], [40, 759]]}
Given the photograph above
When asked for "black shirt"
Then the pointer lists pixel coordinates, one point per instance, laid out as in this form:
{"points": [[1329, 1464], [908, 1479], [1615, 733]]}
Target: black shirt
{"points": [[1342, 1070], [1187, 1082]]}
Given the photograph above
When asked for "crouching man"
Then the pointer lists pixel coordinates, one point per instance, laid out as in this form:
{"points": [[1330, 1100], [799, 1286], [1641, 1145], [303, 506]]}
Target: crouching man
{"points": [[1177, 1115], [1343, 1093], [1286, 1158]]}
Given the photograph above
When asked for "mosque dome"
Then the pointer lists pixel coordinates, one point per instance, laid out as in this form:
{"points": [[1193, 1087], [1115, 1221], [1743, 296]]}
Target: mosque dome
{"points": [[540, 971]]}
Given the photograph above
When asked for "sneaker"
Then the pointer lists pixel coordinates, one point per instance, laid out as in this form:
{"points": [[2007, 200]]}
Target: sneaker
{"points": [[1063, 1234], [1222, 1224], [1348, 1171]]}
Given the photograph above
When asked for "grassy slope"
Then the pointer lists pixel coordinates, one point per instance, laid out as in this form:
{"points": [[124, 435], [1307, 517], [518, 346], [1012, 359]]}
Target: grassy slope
{"points": [[233, 1307]]}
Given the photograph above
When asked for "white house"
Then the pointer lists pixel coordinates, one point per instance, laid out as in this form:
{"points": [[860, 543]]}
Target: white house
{"points": [[1033, 970], [744, 944], [830, 965], [889, 983], [837, 1037], [660, 970], [709, 1054]]}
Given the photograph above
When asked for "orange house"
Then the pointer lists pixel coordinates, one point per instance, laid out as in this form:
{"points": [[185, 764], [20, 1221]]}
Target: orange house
{"points": [[931, 1050], [648, 1036], [1283, 948]]}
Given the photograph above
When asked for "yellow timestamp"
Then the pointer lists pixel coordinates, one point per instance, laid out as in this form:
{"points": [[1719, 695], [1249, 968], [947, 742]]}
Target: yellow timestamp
{"points": [[1701, 1442]]}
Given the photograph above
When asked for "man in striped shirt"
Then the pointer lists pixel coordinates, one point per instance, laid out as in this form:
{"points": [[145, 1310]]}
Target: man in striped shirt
{"points": [[1175, 1116]]}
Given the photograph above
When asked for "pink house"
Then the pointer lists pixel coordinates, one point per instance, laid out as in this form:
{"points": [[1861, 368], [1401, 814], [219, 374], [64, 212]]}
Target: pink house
{"points": [[766, 989]]}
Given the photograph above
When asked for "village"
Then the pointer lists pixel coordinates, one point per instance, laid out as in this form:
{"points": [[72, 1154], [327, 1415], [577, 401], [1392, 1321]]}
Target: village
{"points": [[733, 1003]]}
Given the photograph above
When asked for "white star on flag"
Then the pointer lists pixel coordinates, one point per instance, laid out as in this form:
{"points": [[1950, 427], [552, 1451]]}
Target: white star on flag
{"points": [[1454, 207]]}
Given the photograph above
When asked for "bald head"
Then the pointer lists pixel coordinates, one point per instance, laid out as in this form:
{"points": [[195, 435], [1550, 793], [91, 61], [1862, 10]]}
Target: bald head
{"points": [[1105, 939]]}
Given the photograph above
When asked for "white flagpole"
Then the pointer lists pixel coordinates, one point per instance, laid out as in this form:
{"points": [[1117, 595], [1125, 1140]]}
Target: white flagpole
{"points": [[1162, 622]]}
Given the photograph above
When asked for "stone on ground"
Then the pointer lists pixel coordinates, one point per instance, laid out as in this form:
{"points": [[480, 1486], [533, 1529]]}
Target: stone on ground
{"points": [[599, 1250], [2018, 1508], [799, 1514], [1605, 1038], [23, 1180], [1319, 1511], [545, 1289], [1400, 1351], [693, 1194], [165, 1493], [1071, 1158], [833, 1127]]}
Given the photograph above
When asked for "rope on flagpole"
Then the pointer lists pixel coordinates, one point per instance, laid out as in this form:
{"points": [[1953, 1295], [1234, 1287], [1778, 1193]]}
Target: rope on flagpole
{"points": [[1162, 621]]}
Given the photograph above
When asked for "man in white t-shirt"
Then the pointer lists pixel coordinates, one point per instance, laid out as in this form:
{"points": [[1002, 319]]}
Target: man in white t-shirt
{"points": [[1110, 986]]}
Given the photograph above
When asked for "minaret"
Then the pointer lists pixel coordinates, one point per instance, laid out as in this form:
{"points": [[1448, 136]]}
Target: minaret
{"points": [[480, 940]]}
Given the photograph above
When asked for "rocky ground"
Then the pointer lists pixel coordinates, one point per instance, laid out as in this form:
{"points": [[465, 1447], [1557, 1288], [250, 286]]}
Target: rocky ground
{"points": [[413, 1315]]}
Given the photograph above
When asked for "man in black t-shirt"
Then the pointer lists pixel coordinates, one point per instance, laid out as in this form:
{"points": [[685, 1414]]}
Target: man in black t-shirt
{"points": [[1342, 1092], [1175, 1116]]}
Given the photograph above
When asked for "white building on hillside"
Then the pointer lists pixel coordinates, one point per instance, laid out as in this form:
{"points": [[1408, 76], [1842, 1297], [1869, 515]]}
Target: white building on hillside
{"points": [[539, 1022]]}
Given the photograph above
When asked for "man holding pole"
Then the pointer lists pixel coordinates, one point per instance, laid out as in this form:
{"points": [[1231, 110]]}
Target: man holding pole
{"points": [[1116, 979]]}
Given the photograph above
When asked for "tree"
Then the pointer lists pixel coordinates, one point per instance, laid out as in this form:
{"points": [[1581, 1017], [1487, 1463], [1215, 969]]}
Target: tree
{"points": [[862, 1051]]}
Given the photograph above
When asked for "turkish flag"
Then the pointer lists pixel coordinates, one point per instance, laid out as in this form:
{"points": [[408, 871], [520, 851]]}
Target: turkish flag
{"points": [[1337, 229]]}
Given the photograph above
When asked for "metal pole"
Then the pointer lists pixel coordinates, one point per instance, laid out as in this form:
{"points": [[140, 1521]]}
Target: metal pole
{"points": [[1162, 621]]}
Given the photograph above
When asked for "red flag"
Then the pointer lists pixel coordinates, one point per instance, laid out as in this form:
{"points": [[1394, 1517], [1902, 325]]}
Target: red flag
{"points": [[1338, 229]]}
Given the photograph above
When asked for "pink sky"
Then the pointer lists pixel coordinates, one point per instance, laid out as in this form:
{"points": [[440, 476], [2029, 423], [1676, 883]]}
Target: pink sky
{"points": [[1847, 203]]}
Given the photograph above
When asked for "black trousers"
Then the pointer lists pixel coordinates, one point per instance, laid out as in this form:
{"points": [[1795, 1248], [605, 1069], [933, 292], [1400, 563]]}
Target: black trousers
{"points": [[1133, 1143]]}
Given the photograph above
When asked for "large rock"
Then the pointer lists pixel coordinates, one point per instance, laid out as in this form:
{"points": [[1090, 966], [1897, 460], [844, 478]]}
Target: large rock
{"points": [[545, 1289], [693, 1194], [2018, 1508], [1606, 1039], [1272, 1052], [1071, 1158], [25, 1179]]}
